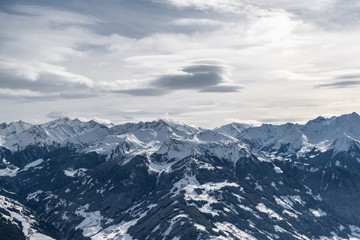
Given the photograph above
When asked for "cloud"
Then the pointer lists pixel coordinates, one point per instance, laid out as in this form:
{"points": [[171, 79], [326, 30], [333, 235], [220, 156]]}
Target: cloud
{"points": [[54, 16], [229, 6], [200, 77], [55, 115], [177, 54], [253, 123], [222, 88], [196, 21], [72, 59], [34, 43], [191, 77], [102, 121], [342, 84], [197, 24], [324, 13], [19, 93], [142, 92], [52, 81], [242, 7], [349, 76]]}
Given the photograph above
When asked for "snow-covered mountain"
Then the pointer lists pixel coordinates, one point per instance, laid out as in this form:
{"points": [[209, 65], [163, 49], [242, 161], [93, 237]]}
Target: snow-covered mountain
{"points": [[69, 179], [17, 136], [322, 141], [232, 129]]}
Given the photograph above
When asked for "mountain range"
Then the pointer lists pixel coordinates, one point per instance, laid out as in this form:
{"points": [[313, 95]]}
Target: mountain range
{"points": [[68, 179]]}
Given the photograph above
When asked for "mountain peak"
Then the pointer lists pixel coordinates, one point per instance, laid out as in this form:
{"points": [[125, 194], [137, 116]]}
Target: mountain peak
{"points": [[316, 120], [15, 127], [352, 116], [3, 125], [232, 129], [61, 120], [65, 121]]}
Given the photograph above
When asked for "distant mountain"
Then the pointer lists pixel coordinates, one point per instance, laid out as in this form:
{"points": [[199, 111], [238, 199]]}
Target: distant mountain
{"points": [[17, 136], [322, 142], [232, 129], [69, 179]]}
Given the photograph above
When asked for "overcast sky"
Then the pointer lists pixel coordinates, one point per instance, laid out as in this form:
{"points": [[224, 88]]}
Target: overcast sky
{"points": [[204, 62]]}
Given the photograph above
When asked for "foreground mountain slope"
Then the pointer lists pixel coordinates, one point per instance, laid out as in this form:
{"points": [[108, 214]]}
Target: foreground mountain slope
{"points": [[18, 222], [161, 180]]}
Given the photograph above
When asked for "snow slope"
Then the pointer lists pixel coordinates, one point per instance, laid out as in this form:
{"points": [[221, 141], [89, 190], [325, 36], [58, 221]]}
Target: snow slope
{"points": [[335, 134], [22, 218]]}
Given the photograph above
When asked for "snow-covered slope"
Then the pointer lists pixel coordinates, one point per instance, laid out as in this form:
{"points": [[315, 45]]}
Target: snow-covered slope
{"points": [[18, 135], [333, 136], [11, 131], [17, 218], [138, 138], [232, 129]]}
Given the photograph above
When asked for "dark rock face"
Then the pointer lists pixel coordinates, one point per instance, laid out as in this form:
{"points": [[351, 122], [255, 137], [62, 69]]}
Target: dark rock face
{"points": [[189, 189], [8, 231]]}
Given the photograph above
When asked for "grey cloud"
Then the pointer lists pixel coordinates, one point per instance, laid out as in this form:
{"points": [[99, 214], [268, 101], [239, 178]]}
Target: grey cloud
{"points": [[55, 115], [24, 95], [342, 84], [143, 92], [222, 89], [203, 69], [278, 120], [45, 83], [350, 76], [47, 86], [194, 77], [200, 77], [127, 17], [139, 113], [191, 25]]}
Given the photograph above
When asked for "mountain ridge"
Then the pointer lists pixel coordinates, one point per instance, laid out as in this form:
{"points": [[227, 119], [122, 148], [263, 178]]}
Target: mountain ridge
{"points": [[161, 180]]}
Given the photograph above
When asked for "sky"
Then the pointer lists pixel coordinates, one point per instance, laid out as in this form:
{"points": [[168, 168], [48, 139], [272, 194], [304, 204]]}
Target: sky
{"points": [[203, 62]]}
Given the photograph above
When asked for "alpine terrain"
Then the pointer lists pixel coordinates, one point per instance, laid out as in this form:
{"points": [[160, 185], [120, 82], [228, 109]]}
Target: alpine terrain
{"points": [[68, 179]]}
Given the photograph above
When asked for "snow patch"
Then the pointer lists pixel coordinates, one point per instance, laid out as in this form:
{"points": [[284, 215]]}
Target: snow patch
{"points": [[119, 231], [9, 171], [92, 222], [77, 172], [293, 199], [258, 187], [34, 196], [189, 184], [355, 231], [291, 214], [32, 164], [262, 208], [277, 169], [165, 167], [279, 229], [231, 231], [18, 213], [318, 212]]}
